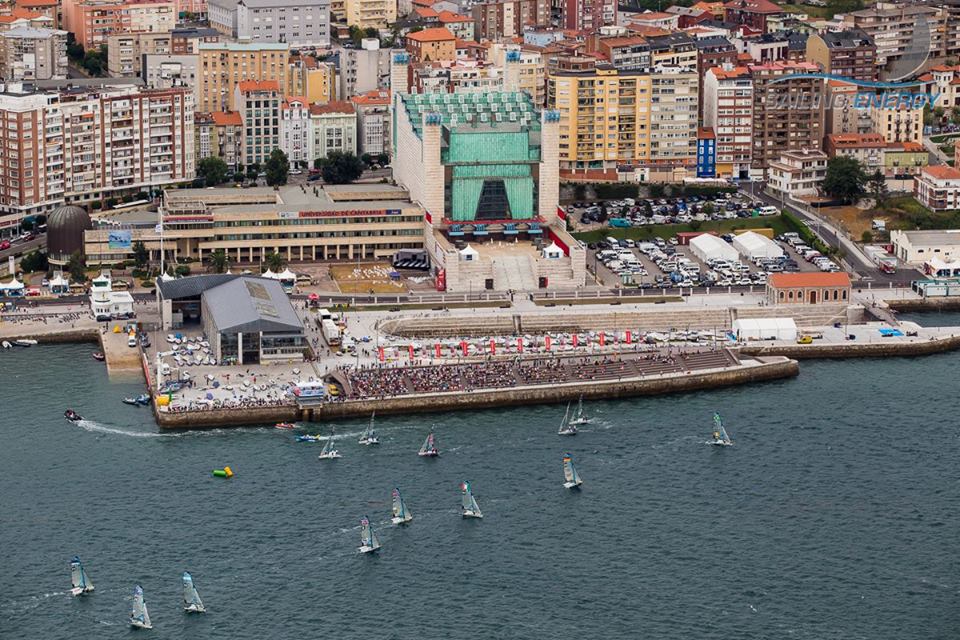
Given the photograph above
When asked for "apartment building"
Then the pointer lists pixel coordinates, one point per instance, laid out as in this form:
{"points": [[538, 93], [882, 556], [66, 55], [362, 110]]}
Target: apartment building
{"points": [[315, 81], [610, 118], [851, 54], [295, 138], [841, 114], [898, 125], [363, 70], [376, 14], [798, 173], [187, 40], [938, 188], [93, 21], [507, 18], [866, 148], [125, 52], [626, 53], [163, 70], [587, 15], [227, 137], [47, 8], [333, 127], [787, 113], [944, 80], [728, 110], [522, 70], [258, 103], [431, 45], [28, 53], [751, 13], [458, 76], [895, 28], [373, 121], [299, 24], [224, 65], [459, 25], [85, 145]]}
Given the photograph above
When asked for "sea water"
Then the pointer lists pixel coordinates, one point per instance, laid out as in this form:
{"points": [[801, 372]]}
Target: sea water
{"points": [[835, 515]]}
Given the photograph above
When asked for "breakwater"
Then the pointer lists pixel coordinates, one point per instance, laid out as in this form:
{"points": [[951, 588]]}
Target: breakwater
{"points": [[750, 371], [926, 304], [895, 348]]}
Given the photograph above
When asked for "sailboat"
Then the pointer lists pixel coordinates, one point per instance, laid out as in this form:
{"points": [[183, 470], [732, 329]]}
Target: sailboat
{"points": [[191, 599], [566, 427], [370, 436], [78, 576], [469, 508], [720, 437], [429, 448], [570, 475], [578, 417], [329, 452], [401, 515], [368, 539], [139, 617]]}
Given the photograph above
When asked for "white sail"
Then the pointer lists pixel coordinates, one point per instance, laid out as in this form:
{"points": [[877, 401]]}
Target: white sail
{"points": [[469, 503], [139, 616], [429, 446], [579, 415], [78, 578], [327, 447], [400, 512], [191, 599], [570, 473], [368, 539]]}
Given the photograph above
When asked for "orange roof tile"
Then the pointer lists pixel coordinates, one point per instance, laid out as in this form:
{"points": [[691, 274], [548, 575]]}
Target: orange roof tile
{"points": [[754, 6], [226, 118], [373, 97], [331, 107], [286, 104], [942, 172], [19, 12], [37, 3], [857, 140], [426, 12], [449, 16], [788, 280], [651, 15], [723, 74], [435, 34], [258, 85]]}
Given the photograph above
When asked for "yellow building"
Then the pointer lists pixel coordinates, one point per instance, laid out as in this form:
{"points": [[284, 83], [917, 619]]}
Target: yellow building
{"points": [[223, 65], [610, 118], [370, 13], [523, 70], [315, 81], [898, 125]]}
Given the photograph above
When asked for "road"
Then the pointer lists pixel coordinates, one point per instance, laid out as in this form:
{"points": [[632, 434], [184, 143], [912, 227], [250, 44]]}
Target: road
{"points": [[18, 249], [936, 156]]}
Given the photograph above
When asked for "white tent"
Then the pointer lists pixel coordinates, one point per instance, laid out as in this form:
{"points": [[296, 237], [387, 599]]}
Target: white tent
{"points": [[58, 284], [469, 253], [552, 252], [752, 245], [287, 275], [709, 247], [13, 286], [765, 329], [269, 274]]}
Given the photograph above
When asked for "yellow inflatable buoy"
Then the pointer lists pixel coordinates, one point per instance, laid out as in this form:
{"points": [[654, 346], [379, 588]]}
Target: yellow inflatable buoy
{"points": [[228, 471], [163, 401], [116, 328]]}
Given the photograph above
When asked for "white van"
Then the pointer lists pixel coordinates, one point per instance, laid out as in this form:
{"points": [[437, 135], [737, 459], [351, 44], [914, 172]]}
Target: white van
{"points": [[612, 242], [768, 211], [131, 340]]}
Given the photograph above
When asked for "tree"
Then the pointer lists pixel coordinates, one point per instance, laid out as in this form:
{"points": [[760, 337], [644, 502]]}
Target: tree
{"points": [[140, 254], [708, 209], [34, 261], [277, 168], [77, 267], [218, 261], [371, 32], [341, 167], [74, 50], [877, 185], [253, 170], [274, 262], [213, 170], [845, 179], [866, 237], [238, 176]]}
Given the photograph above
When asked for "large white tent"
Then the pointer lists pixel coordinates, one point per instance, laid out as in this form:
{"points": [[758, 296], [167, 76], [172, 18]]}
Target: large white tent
{"points": [[765, 329], [753, 245], [709, 247]]}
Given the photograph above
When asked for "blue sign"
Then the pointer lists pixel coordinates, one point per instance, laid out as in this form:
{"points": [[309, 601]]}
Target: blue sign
{"points": [[119, 239]]}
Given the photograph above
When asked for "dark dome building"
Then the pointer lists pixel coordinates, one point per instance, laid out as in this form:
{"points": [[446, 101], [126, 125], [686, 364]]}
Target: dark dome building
{"points": [[65, 227]]}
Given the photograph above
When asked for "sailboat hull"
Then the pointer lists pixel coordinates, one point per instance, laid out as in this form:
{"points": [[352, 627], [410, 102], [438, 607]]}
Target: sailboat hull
{"points": [[572, 485], [467, 513], [428, 454], [192, 608], [367, 549], [369, 441], [397, 520], [721, 443], [576, 422], [137, 624], [333, 455], [567, 432], [81, 591]]}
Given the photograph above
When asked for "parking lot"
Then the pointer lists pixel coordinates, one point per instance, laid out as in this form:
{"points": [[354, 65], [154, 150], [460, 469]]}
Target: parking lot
{"points": [[668, 262]]}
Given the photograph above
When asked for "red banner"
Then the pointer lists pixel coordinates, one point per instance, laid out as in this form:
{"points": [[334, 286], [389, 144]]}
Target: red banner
{"points": [[410, 351], [463, 346], [519, 345], [436, 349], [603, 338], [380, 354], [442, 280], [546, 342], [493, 347], [628, 337], [576, 339]]}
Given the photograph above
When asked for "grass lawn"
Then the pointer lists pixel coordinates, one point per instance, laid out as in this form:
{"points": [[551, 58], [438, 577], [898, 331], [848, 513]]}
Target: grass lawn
{"points": [[944, 137], [366, 278], [906, 213], [777, 223]]}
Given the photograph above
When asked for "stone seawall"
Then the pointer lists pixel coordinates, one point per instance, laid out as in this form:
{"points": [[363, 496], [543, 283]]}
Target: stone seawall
{"points": [[929, 304], [58, 336], [767, 369], [856, 350]]}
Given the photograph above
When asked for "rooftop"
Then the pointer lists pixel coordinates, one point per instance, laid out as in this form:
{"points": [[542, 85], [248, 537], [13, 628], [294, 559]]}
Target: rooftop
{"points": [[786, 280], [857, 140], [850, 39], [247, 86], [377, 96], [336, 106], [226, 118], [237, 46], [436, 34], [471, 110], [754, 6], [941, 172], [251, 305], [929, 238]]}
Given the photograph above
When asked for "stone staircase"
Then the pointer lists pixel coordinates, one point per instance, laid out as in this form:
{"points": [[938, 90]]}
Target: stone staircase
{"points": [[513, 272]]}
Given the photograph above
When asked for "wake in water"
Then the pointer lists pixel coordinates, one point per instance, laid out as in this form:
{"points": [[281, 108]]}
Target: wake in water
{"points": [[95, 427]]}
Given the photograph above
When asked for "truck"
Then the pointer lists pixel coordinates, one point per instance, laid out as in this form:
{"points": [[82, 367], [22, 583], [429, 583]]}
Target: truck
{"points": [[881, 257], [331, 332]]}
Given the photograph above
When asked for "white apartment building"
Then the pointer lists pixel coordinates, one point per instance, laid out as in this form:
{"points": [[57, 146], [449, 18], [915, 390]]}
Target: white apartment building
{"points": [[728, 109], [298, 24], [163, 71], [86, 145], [363, 70], [938, 187], [295, 131], [798, 173], [333, 127]]}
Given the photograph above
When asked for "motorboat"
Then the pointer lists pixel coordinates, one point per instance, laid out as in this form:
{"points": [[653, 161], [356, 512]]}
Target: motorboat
{"points": [[284, 425], [25, 342], [143, 399], [72, 415], [130, 401], [5, 344], [309, 438], [98, 356]]}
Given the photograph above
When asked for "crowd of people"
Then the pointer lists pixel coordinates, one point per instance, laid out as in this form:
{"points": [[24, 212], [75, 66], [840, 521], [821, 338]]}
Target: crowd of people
{"points": [[229, 403]]}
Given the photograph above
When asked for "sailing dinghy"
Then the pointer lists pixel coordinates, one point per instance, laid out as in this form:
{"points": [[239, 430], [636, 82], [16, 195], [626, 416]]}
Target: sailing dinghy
{"points": [[578, 417], [368, 539], [191, 599], [469, 508], [570, 475], [329, 451], [566, 427], [401, 515], [78, 576], [720, 437], [139, 617], [429, 448], [370, 436]]}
